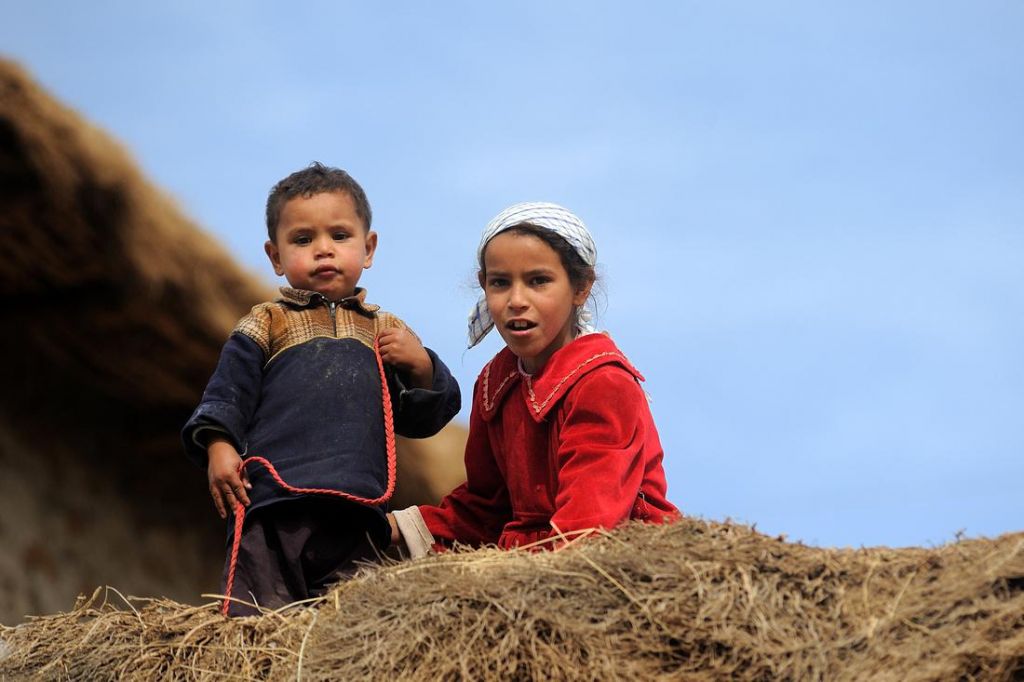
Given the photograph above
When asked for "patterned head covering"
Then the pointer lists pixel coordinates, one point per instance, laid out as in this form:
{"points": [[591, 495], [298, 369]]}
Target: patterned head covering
{"points": [[559, 220]]}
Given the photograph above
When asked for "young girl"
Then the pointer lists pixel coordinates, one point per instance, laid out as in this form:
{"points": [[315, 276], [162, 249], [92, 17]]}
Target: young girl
{"points": [[560, 438]]}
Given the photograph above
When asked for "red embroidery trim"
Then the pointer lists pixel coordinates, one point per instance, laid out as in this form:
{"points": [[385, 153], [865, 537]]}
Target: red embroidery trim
{"points": [[488, 404]]}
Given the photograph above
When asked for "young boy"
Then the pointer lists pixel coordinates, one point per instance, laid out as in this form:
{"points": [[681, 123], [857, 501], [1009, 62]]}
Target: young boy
{"points": [[298, 384]]}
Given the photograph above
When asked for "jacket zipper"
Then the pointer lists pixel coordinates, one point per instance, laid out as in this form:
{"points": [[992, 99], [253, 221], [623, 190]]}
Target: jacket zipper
{"points": [[331, 305]]}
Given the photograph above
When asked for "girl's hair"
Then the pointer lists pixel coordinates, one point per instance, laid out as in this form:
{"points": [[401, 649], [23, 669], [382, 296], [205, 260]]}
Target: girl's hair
{"points": [[580, 274]]}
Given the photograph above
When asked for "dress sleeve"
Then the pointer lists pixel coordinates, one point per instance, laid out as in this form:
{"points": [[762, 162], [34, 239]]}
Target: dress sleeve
{"points": [[476, 511], [230, 398], [600, 451]]}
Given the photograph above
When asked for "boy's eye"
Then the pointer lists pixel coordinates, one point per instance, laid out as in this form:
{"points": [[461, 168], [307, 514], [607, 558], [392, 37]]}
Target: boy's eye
{"points": [[301, 239], [340, 236]]}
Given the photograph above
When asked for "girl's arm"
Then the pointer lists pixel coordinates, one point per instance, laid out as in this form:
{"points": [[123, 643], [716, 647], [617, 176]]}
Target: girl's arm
{"points": [[601, 459], [476, 511]]}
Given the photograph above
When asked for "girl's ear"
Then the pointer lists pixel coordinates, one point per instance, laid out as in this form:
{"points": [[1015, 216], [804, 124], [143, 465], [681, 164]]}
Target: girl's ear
{"points": [[275, 257], [581, 294], [481, 278]]}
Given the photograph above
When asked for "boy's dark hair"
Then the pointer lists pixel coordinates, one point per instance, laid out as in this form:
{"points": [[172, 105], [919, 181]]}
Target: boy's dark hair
{"points": [[315, 179], [580, 274]]}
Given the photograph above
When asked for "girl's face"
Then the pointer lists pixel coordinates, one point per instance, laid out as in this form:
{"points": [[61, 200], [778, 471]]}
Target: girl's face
{"points": [[529, 296]]}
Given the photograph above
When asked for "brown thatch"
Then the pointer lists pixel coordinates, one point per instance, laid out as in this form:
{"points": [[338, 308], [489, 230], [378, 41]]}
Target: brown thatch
{"points": [[114, 307], [693, 600]]}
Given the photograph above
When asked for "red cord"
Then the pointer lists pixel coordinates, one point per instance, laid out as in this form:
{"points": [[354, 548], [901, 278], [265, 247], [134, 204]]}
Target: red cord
{"points": [[389, 441]]}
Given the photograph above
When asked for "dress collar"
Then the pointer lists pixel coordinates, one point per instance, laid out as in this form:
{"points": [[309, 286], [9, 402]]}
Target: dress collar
{"points": [[545, 389], [304, 298]]}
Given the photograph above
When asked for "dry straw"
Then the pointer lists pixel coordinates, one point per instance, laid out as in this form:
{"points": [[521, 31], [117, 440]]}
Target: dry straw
{"points": [[692, 601]]}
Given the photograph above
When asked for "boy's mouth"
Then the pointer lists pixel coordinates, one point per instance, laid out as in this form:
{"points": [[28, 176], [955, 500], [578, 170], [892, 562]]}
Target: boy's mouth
{"points": [[326, 270]]}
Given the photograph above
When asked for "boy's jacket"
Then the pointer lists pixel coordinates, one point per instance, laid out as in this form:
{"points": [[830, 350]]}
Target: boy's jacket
{"points": [[298, 383]]}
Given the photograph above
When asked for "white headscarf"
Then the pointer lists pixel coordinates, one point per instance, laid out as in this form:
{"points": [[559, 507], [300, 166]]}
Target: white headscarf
{"points": [[559, 220]]}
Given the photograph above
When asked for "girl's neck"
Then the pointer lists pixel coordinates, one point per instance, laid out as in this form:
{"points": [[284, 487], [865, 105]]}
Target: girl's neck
{"points": [[525, 370]]}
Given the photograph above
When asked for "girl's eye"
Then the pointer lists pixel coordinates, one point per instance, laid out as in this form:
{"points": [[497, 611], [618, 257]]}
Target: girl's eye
{"points": [[497, 283], [540, 280]]}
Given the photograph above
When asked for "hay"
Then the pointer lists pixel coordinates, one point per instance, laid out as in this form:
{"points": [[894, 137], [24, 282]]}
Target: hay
{"points": [[692, 600]]}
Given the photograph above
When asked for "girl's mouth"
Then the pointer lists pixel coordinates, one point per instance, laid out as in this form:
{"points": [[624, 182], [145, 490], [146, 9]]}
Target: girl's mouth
{"points": [[519, 325]]}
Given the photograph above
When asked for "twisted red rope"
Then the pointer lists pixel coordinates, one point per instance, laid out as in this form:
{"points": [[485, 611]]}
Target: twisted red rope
{"points": [[389, 442]]}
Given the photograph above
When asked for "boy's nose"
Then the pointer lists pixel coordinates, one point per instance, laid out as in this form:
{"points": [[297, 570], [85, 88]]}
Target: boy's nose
{"points": [[324, 246]]}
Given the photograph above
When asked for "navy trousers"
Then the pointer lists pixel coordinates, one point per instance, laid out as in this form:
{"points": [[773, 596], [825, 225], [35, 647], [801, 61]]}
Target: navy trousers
{"points": [[296, 549]]}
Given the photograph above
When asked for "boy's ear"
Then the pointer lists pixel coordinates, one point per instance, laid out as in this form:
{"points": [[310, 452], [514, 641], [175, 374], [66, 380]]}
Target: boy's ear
{"points": [[371, 247], [275, 257]]}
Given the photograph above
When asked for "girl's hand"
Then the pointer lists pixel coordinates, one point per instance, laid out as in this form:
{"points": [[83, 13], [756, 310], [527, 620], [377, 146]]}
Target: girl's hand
{"points": [[402, 350], [226, 484], [396, 535]]}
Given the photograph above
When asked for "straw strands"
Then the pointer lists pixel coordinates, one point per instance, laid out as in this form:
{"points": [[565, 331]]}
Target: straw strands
{"points": [[693, 600]]}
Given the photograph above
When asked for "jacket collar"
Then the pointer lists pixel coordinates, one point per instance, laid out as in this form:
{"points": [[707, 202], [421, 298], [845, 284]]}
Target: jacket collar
{"points": [[544, 391], [304, 298]]}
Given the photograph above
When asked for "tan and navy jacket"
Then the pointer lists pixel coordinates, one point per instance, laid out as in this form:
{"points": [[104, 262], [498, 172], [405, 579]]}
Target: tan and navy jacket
{"points": [[298, 384]]}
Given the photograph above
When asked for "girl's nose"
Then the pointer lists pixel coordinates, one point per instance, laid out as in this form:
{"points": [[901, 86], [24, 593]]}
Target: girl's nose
{"points": [[516, 297]]}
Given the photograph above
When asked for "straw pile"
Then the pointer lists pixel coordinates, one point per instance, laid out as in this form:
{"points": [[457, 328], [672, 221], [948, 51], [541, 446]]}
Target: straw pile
{"points": [[692, 600]]}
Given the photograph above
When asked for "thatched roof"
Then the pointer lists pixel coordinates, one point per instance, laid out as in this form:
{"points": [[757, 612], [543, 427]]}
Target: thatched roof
{"points": [[115, 303], [692, 600], [115, 307]]}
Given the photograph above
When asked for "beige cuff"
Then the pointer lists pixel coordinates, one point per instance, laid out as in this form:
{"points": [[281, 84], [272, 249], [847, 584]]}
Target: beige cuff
{"points": [[414, 531]]}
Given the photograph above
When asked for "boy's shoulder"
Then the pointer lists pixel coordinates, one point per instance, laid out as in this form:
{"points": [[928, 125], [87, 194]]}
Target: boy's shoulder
{"points": [[298, 316], [389, 320], [299, 302], [256, 324]]}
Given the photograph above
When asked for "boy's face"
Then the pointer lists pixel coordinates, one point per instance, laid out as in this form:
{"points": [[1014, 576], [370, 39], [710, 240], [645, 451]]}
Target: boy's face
{"points": [[322, 244]]}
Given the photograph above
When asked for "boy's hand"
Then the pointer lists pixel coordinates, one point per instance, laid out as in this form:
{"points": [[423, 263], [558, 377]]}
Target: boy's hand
{"points": [[226, 484], [402, 350]]}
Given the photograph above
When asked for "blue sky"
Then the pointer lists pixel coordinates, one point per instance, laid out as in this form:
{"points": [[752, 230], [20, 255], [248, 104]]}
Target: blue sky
{"points": [[809, 216]]}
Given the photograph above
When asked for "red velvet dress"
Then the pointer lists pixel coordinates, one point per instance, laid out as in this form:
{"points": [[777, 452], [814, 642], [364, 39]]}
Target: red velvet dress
{"points": [[572, 448]]}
